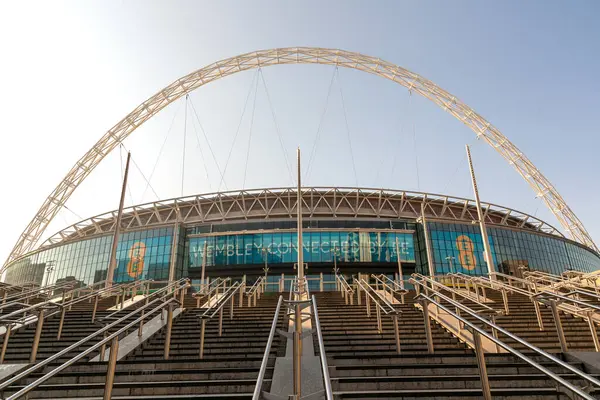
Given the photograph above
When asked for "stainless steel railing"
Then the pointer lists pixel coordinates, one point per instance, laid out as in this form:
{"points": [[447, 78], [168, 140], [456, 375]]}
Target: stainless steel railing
{"points": [[158, 303], [322, 354], [555, 300], [394, 287], [207, 292], [265, 361], [437, 286], [345, 289], [382, 305], [478, 332], [255, 291], [217, 307]]}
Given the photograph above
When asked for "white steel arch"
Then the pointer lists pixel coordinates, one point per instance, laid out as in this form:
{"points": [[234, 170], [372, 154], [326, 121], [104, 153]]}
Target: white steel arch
{"points": [[299, 55]]}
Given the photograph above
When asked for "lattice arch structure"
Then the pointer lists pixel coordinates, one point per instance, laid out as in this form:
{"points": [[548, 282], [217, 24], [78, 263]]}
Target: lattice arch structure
{"points": [[299, 55]]}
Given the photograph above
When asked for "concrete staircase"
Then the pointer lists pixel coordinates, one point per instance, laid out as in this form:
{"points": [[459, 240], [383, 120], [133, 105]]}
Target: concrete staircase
{"points": [[228, 370], [77, 325], [364, 363]]}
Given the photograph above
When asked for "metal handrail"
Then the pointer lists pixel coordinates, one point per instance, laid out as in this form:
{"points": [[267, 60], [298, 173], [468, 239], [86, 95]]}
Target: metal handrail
{"points": [[366, 287], [510, 278], [217, 282], [454, 292], [323, 357], [76, 358], [255, 287], [565, 298], [218, 308], [49, 302], [222, 300], [498, 284], [265, 360], [399, 288], [214, 290], [165, 289], [508, 348], [35, 292], [344, 283]]}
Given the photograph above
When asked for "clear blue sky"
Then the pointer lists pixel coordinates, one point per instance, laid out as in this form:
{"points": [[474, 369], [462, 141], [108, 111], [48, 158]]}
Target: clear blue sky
{"points": [[71, 70]]}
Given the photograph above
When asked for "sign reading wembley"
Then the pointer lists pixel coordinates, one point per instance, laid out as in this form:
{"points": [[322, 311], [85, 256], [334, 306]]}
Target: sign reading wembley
{"points": [[318, 247]]}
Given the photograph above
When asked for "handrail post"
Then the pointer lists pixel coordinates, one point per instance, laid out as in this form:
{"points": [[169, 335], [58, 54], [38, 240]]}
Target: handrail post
{"points": [[559, 328], [538, 313], [169, 328], [122, 298], [182, 296], [95, 308], [396, 332], [141, 328], [505, 301], [231, 306], [378, 311], [103, 349], [61, 323], [592, 326], [485, 383], [202, 332], [427, 326], [5, 343], [38, 334], [110, 370], [220, 321]]}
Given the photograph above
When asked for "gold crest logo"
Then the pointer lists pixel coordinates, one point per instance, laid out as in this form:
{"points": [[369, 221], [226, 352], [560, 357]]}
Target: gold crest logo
{"points": [[137, 252], [466, 252]]}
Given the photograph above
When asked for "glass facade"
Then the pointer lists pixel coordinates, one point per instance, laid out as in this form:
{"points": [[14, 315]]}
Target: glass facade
{"points": [[140, 255], [147, 254], [460, 247], [318, 247]]}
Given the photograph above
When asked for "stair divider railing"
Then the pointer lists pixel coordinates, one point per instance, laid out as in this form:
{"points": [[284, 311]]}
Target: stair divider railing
{"points": [[255, 291], [24, 296], [543, 278], [207, 292], [265, 360], [176, 289], [344, 288], [556, 301], [217, 307], [569, 280], [158, 304], [572, 391], [578, 308], [429, 284], [42, 311], [296, 305], [394, 287], [382, 305]]}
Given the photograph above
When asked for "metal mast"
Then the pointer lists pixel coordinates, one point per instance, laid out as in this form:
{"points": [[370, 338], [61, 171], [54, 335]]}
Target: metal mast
{"points": [[113, 252], [484, 236], [299, 210]]}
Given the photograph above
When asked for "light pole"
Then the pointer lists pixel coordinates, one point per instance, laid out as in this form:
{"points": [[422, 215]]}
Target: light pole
{"points": [[450, 259]]}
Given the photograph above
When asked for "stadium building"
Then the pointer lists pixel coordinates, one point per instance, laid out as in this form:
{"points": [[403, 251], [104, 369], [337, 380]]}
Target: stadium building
{"points": [[355, 229], [312, 293]]}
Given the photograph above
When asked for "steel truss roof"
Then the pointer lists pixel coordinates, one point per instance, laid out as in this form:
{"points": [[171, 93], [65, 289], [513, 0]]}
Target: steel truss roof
{"points": [[322, 202], [299, 55]]}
